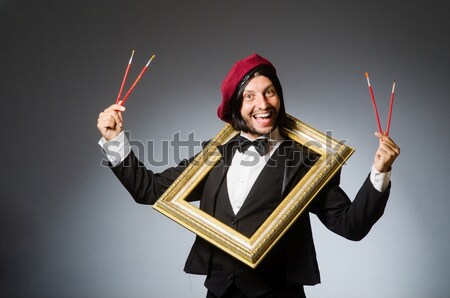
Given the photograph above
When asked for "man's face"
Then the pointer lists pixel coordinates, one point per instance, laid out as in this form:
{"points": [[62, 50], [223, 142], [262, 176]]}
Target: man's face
{"points": [[260, 106]]}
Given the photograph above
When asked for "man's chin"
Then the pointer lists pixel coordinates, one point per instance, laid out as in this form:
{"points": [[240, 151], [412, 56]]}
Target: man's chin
{"points": [[261, 131]]}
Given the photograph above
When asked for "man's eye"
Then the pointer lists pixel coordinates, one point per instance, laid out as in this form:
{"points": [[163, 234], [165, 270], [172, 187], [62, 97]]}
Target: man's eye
{"points": [[270, 92], [248, 96]]}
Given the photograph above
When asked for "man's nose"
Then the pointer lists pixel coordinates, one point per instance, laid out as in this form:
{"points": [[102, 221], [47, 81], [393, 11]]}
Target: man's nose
{"points": [[261, 101]]}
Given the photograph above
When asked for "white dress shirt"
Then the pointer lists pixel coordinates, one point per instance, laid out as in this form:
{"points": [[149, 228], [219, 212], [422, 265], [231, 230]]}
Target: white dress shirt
{"points": [[245, 168]]}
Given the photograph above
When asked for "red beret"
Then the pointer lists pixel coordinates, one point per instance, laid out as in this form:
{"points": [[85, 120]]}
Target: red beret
{"points": [[239, 70]]}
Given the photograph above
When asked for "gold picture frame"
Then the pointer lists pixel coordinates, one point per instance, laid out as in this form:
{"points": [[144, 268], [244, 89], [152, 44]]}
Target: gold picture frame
{"points": [[333, 154]]}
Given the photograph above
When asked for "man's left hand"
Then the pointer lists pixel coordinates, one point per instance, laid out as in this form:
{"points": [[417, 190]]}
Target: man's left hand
{"points": [[386, 154]]}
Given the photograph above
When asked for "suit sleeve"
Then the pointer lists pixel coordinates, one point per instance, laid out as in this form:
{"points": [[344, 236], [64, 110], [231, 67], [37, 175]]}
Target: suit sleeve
{"points": [[352, 220], [144, 185]]}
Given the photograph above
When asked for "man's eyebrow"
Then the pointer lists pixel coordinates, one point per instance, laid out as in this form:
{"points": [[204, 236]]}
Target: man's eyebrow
{"points": [[268, 87], [265, 89]]}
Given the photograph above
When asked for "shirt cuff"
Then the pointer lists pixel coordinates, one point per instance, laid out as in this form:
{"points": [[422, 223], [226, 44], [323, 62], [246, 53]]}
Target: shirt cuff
{"points": [[116, 149], [380, 180]]}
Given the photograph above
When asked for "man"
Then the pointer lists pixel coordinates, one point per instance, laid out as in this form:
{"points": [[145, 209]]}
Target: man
{"points": [[243, 196]]}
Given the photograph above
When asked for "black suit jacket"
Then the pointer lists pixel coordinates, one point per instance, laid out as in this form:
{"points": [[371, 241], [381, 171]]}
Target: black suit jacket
{"points": [[352, 220]]}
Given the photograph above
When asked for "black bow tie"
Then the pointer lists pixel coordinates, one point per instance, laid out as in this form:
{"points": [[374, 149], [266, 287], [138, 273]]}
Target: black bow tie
{"points": [[259, 144]]}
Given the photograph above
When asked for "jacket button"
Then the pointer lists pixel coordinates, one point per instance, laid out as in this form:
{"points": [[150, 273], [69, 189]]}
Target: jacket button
{"points": [[234, 221], [230, 276]]}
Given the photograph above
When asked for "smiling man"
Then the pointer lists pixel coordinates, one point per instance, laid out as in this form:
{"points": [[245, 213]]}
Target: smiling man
{"points": [[252, 179]]}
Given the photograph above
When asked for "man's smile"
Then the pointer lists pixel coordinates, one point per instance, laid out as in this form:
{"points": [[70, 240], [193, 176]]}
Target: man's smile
{"points": [[263, 114]]}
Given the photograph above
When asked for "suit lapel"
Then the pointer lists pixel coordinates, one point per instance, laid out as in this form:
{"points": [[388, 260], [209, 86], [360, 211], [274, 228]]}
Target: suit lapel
{"points": [[297, 164], [215, 178]]}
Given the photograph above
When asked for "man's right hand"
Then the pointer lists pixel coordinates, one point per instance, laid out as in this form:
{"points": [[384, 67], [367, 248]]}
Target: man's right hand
{"points": [[110, 121]]}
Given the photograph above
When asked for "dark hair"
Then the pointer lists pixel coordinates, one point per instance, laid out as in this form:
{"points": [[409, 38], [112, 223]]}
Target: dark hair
{"points": [[236, 103]]}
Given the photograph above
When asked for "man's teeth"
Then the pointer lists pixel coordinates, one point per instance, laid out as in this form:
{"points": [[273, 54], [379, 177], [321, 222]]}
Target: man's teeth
{"points": [[262, 115]]}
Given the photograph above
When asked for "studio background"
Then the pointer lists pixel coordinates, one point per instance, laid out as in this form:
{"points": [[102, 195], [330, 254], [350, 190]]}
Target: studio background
{"points": [[69, 229]]}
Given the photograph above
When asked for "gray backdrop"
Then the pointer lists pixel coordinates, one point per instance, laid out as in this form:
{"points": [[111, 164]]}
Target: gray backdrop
{"points": [[69, 229]]}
